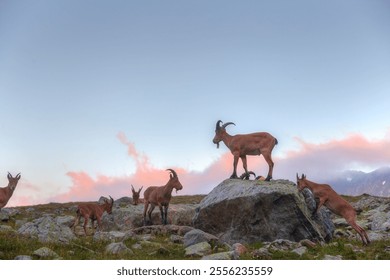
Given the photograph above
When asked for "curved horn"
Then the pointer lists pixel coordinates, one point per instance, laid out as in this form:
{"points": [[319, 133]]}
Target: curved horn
{"points": [[173, 172], [112, 200], [226, 124], [218, 126]]}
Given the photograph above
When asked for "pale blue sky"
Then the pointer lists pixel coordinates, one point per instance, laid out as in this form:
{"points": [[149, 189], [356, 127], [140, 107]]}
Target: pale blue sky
{"points": [[74, 74]]}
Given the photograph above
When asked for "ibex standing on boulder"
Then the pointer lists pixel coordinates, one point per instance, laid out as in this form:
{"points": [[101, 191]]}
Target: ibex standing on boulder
{"points": [[7, 192], [241, 145], [334, 202], [160, 196]]}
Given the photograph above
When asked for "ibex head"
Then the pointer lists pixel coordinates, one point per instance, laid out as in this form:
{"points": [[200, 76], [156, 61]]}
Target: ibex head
{"points": [[174, 180], [13, 181], [220, 131], [136, 195], [301, 184]]}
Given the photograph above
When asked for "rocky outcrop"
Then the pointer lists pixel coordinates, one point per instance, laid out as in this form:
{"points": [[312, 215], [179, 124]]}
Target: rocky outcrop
{"points": [[49, 229], [250, 211]]}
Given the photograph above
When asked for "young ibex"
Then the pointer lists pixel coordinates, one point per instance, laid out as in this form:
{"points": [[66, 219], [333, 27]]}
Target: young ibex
{"points": [[334, 202], [160, 196], [6, 193], [136, 194], [93, 211], [242, 145]]}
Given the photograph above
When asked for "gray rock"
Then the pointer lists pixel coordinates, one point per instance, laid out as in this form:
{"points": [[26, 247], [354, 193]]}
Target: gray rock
{"points": [[46, 229], [6, 228], [23, 258], [67, 221], [330, 257], [45, 253], [118, 249], [380, 221], [261, 253], [230, 255], [113, 236], [281, 245], [176, 239], [198, 250], [4, 216], [197, 236], [300, 250], [251, 211]]}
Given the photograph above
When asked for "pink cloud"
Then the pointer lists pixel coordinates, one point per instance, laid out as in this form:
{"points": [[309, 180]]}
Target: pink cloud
{"points": [[316, 160], [326, 159]]}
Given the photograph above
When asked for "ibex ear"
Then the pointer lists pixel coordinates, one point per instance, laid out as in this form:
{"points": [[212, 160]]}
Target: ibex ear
{"points": [[18, 176], [297, 177]]}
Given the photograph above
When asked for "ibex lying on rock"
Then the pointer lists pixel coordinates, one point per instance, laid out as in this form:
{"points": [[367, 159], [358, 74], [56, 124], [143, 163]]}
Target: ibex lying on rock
{"points": [[93, 211], [334, 202], [7, 192], [136, 194], [242, 145], [160, 196]]}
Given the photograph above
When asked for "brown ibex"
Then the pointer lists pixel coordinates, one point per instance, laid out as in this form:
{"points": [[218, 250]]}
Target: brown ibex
{"points": [[160, 196], [241, 145], [7, 192], [93, 211], [136, 194], [334, 202]]}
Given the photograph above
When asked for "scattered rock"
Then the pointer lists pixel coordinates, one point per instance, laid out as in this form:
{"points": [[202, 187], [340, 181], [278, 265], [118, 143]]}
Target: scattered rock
{"points": [[6, 228], [197, 236], [46, 229], [198, 250], [239, 249], [45, 253], [330, 257], [261, 253], [113, 236], [230, 255], [23, 258], [4, 216], [300, 250], [176, 238], [118, 249]]}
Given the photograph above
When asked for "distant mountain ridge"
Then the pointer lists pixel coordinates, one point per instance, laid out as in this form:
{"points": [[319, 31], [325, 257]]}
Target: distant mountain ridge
{"points": [[355, 183]]}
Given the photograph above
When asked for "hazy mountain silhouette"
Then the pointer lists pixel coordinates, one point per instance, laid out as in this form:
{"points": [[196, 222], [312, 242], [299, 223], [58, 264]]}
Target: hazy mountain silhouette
{"points": [[355, 183]]}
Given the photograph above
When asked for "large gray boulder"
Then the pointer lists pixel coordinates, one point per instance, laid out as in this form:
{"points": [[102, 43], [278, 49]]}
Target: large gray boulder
{"points": [[250, 211]]}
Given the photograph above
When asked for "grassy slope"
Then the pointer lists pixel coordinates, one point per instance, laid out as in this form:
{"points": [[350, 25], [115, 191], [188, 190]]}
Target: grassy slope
{"points": [[12, 245]]}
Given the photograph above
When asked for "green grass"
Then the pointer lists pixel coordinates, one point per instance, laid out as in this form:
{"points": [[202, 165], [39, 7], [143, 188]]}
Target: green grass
{"points": [[347, 249], [160, 246]]}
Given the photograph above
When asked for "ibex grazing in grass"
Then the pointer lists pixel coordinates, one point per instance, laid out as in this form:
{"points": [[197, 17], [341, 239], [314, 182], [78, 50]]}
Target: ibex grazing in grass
{"points": [[160, 196], [241, 145], [7, 192], [93, 211], [334, 202], [136, 194]]}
